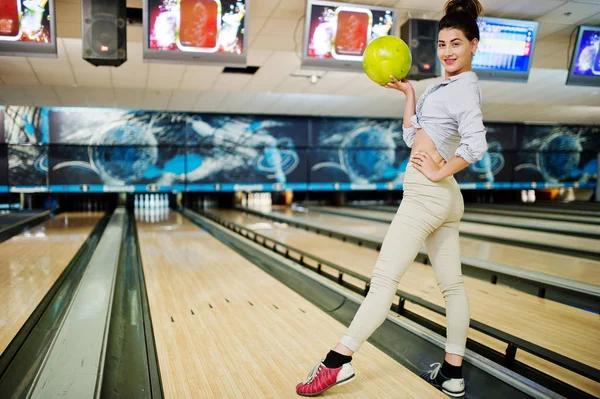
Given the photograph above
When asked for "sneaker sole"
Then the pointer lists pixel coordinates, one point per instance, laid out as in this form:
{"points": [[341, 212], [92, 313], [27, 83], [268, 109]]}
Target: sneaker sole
{"points": [[454, 394], [337, 384]]}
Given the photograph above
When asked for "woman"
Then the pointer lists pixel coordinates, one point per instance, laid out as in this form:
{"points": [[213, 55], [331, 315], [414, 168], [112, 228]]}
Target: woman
{"points": [[446, 134]]}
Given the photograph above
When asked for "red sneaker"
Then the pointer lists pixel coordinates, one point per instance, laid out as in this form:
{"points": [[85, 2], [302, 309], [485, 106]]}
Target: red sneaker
{"points": [[322, 378]]}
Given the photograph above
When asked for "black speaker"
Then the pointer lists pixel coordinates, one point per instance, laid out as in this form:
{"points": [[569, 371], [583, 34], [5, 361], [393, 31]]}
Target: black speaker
{"points": [[104, 31], [421, 35]]}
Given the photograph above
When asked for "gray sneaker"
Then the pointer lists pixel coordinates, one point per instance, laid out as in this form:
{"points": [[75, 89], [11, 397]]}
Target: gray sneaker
{"points": [[454, 387]]}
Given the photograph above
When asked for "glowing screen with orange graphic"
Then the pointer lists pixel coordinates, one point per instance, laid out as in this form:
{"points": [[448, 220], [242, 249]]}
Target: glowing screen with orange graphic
{"points": [[207, 26], [343, 31], [352, 32], [25, 21], [199, 23]]}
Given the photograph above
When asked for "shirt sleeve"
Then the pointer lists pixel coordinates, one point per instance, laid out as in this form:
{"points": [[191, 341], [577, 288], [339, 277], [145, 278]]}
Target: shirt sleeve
{"points": [[466, 110], [408, 133]]}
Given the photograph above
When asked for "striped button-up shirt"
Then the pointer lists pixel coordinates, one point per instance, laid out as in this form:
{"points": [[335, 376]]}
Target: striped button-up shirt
{"points": [[450, 113]]}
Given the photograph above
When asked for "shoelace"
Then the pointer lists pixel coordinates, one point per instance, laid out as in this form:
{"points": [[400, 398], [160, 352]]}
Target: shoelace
{"points": [[313, 374], [432, 374]]}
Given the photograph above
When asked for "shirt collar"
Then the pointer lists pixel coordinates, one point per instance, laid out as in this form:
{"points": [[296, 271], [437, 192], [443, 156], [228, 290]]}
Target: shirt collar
{"points": [[469, 75]]}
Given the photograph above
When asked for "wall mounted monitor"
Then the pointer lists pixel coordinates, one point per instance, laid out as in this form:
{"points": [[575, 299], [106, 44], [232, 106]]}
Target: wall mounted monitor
{"points": [[585, 60], [196, 31], [506, 48], [27, 28], [336, 34]]}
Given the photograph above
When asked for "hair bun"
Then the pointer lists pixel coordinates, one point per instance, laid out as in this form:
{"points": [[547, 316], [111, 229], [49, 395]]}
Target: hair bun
{"points": [[472, 7]]}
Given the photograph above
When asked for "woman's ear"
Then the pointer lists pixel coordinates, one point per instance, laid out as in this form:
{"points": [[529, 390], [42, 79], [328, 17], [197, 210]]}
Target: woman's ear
{"points": [[474, 44]]}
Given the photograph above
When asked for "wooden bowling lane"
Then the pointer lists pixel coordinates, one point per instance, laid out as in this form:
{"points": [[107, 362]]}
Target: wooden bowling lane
{"points": [[559, 227], [557, 327], [563, 220], [225, 329], [518, 221], [512, 233], [591, 209], [566, 266], [549, 216], [349, 224], [32, 261], [583, 383]]}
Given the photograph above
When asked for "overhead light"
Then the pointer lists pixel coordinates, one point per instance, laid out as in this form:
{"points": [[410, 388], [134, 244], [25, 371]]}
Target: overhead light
{"points": [[313, 76], [306, 74]]}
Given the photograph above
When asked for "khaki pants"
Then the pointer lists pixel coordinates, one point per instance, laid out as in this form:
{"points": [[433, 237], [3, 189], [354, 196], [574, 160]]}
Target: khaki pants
{"points": [[429, 212]]}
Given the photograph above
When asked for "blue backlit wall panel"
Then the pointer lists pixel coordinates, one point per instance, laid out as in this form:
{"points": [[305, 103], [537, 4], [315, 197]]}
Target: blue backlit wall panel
{"points": [[557, 154], [358, 165], [27, 165], [89, 126], [86, 149], [247, 131], [2, 138], [117, 165], [3, 167], [357, 133], [26, 125], [497, 163], [246, 165]]}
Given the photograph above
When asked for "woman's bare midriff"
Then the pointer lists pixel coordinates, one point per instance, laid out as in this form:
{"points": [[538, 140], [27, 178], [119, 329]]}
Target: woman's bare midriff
{"points": [[423, 143]]}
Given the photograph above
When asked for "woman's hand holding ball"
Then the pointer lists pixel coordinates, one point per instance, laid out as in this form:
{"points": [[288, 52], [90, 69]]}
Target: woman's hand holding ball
{"points": [[402, 85]]}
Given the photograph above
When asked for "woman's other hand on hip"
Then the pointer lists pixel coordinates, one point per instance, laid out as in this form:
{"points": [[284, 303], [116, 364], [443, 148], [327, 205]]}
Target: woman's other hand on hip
{"points": [[425, 164]]}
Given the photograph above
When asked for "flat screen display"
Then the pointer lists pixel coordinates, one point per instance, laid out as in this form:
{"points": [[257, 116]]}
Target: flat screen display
{"points": [[196, 31], [27, 28], [585, 61], [337, 34], [505, 50]]}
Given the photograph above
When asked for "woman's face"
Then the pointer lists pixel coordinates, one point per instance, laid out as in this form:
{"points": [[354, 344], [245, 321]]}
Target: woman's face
{"points": [[455, 51]]}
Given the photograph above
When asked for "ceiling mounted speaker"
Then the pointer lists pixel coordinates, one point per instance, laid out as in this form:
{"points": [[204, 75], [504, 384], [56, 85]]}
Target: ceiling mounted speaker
{"points": [[104, 35], [421, 36]]}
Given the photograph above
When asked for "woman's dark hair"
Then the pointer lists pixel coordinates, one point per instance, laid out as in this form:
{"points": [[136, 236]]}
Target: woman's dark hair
{"points": [[462, 14]]}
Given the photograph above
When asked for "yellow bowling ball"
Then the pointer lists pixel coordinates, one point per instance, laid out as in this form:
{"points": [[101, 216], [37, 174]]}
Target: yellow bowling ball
{"points": [[385, 56]]}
